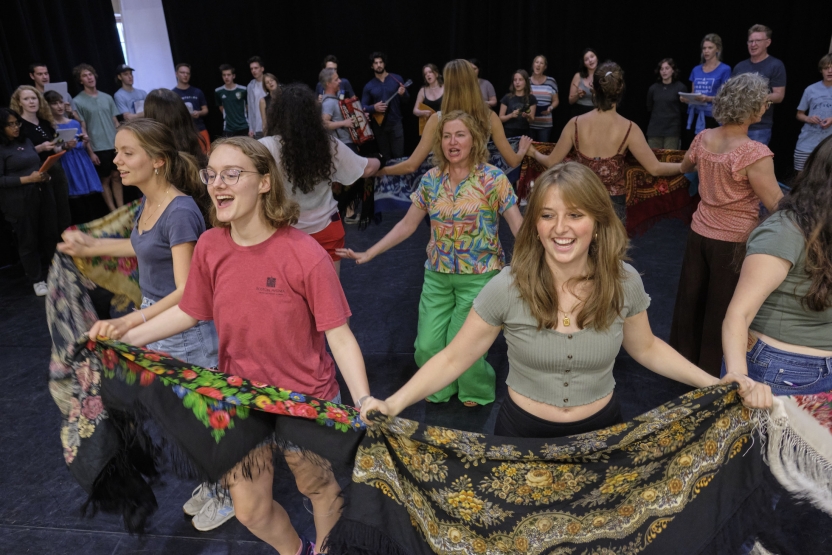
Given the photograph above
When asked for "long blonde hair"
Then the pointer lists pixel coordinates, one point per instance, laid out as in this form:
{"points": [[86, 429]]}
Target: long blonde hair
{"points": [[44, 112], [479, 148], [276, 208], [462, 92], [580, 188]]}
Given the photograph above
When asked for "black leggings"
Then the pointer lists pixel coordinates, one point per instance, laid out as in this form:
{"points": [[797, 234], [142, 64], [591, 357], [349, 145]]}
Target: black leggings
{"points": [[512, 421]]}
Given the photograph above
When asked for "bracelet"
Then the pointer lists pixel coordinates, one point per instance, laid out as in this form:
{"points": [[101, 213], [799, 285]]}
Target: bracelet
{"points": [[361, 401], [139, 310]]}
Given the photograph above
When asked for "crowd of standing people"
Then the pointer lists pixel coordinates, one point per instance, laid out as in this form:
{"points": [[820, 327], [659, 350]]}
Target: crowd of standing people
{"points": [[211, 213]]}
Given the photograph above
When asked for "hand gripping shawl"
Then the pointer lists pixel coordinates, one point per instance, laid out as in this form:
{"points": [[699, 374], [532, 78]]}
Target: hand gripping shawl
{"points": [[686, 477]]}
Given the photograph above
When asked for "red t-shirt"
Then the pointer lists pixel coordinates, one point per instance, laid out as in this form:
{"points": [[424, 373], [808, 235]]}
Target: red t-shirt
{"points": [[271, 304]]}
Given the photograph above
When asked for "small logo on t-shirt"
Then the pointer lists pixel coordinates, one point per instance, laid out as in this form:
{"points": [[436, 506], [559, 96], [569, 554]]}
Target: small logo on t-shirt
{"points": [[271, 282], [239, 95]]}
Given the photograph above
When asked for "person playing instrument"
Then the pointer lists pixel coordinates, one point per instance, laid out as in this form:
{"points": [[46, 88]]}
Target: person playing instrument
{"points": [[430, 94], [264, 282], [566, 305], [778, 327], [464, 197], [518, 107], [334, 120], [386, 87], [462, 92], [603, 137]]}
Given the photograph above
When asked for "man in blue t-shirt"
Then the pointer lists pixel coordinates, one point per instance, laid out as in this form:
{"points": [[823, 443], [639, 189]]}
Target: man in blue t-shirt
{"points": [[759, 39], [194, 100], [385, 86], [129, 100]]}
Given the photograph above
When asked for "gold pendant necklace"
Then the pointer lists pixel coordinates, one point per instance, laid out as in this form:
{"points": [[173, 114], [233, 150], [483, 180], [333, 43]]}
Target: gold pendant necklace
{"points": [[566, 321]]}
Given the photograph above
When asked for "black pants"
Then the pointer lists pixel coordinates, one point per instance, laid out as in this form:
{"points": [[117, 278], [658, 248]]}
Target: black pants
{"points": [[59, 187], [710, 272], [390, 139], [512, 421], [31, 212], [238, 133]]}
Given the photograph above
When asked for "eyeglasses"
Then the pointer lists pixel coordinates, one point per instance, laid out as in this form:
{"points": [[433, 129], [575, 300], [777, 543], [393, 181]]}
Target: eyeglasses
{"points": [[229, 177], [12, 124]]}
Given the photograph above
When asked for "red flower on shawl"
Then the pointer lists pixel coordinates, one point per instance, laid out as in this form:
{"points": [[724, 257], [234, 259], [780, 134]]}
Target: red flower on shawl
{"points": [[211, 392], [147, 378], [109, 358], [92, 407], [278, 408], [234, 381], [127, 265], [189, 374], [302, 409], [152, 356], [339, 415], [259, 384], [662, 187], [219, 420], [133, 367]]}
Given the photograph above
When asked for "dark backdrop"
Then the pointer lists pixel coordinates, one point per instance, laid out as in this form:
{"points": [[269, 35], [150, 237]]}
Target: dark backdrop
{"points": [[293, 37], [62, 34]]}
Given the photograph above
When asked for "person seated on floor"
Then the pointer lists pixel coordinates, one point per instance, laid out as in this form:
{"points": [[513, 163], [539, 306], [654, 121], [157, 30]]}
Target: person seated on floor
{"points": [[462, 92], [566, 305], [778, 327], [606, 137], [464, 197], [263, 282]]}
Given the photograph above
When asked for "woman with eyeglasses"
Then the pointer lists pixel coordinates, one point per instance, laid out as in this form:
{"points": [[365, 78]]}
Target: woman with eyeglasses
{"points": [[167, 226], [23, 200], [264, 282], [735, 175]]}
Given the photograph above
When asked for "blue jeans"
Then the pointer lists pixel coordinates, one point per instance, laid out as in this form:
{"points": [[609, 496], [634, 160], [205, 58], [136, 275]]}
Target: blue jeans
{"points": [[760, 135], [788, 373], [197, 345]]}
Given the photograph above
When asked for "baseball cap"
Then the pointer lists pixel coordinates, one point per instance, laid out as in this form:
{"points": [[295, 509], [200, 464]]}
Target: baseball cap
{"points": [[121, 68]]}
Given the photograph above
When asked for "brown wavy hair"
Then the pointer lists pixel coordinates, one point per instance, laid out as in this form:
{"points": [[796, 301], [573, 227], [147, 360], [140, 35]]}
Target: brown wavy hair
{"points": [[479, 148], [607, 86], [809, 205], [582, 189], [462, 92], [275, 206], [44, 112]]}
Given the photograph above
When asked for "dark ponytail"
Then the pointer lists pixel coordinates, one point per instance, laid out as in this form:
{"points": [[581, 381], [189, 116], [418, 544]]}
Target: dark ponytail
{"points": [[608, 86]]}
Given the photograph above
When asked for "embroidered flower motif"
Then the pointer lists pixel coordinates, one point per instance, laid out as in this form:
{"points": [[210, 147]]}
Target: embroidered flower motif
{"points": [[219, 419], [92, 407], [211, 392], [189, 374], [234, 381]]}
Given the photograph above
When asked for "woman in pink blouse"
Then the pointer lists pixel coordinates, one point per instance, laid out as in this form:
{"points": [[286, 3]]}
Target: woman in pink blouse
{"points": [[735, 175]]}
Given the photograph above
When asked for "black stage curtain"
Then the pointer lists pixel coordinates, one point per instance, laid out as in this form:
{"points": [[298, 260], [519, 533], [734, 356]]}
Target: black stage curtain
{"points": [[293, 38], [61, 34]]}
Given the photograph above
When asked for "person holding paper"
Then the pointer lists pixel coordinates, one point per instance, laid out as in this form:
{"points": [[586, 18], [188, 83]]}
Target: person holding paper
{"points": [[23, 199], [37, 126], [129, 100], [705, 80]]}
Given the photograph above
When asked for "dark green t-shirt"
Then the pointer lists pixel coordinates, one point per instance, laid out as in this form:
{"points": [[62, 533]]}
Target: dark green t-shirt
{"points": [[233, 102], [783, 316]]}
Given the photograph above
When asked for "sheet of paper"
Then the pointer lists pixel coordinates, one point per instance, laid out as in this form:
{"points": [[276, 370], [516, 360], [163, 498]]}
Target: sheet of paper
{"points": [[59, 87], [67, 135], [692, 99]]}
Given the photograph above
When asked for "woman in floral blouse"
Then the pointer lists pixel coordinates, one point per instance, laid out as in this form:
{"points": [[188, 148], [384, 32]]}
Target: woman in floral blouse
{"points": [[464, 198]]}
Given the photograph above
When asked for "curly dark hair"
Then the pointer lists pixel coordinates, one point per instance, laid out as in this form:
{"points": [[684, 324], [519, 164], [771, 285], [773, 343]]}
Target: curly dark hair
{"points": [[306, 146], [809, 205]]}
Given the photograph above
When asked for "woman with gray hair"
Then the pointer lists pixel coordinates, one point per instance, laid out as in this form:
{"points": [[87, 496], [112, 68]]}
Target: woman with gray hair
{"points": [[735, 174]]}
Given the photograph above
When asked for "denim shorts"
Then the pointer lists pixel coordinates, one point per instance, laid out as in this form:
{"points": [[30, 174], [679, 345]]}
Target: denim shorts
{"points": [[197, 345], [788, 373]]}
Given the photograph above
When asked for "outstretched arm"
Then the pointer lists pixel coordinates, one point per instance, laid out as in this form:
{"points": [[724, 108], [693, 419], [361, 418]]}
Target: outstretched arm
{"points": [[562, 148], [498, 135], [420, 154], [172, 321], [399, 233], [472, 341], [645, 156], [347, 355]]}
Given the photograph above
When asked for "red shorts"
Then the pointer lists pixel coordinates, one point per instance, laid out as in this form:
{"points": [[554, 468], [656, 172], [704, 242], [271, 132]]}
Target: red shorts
{"points": [[331, 237]]}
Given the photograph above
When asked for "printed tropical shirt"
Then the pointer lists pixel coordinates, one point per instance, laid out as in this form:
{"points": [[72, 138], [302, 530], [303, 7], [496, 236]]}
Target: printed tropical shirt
{"points": [[464, 220]]}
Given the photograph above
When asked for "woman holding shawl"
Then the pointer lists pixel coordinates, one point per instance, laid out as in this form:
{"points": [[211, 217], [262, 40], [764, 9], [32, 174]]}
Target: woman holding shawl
{"points": [[566, 305], [263, 282], [778, 328]]}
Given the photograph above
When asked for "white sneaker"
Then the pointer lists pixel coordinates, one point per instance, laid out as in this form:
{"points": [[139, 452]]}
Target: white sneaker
{"points": [[214, 514], [200, 496], [40, 289]]}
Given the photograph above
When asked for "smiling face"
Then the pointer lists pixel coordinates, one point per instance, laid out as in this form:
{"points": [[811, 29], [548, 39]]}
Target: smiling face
{"points": [[239, 202], [133, 163], [456, 142], [590, 61], [88, 79], [429, 75], [29, 102], [666, 72], [758, 44], [565, 231], [12, 129], [518, 83], [539, 65]]}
